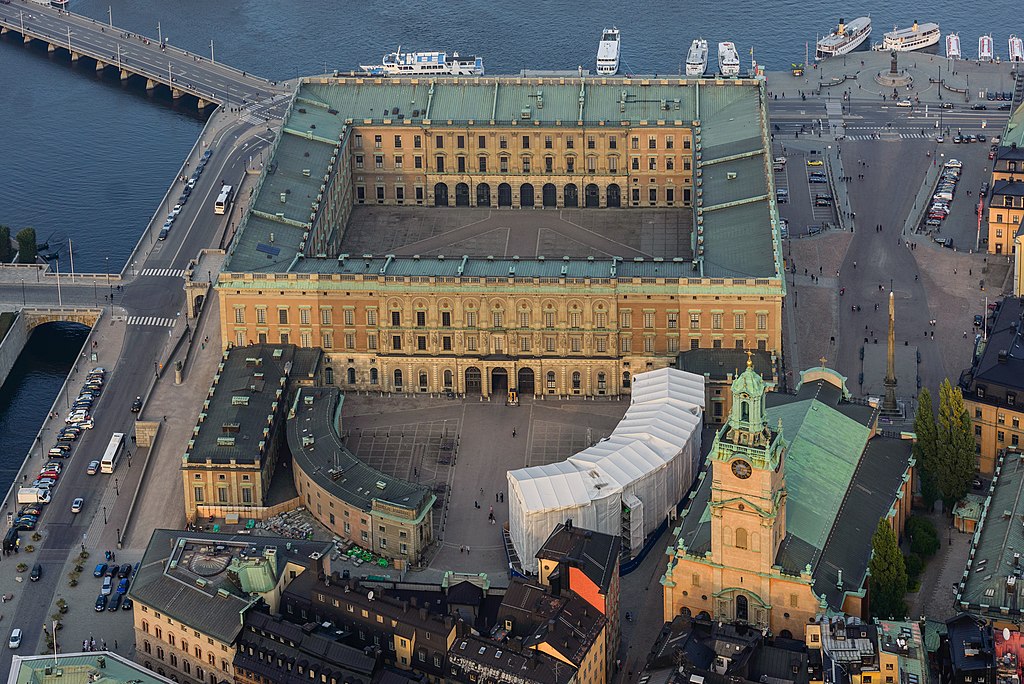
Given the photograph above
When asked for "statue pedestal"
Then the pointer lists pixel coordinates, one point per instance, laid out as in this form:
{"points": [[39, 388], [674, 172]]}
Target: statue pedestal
{"points": [[891, 80]]}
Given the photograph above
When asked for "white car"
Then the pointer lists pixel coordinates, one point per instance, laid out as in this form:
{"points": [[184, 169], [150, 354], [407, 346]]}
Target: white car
{"points": [[77, 504], [108, 586], [904, 103], [176, 210], [15, 640], [954, 164]]}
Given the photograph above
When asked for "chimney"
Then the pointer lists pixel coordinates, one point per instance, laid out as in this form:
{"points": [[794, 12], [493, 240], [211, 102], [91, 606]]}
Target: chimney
{"points": [[423, 613], [1003, 356], [414, 601], [555, 580], [839, 579]]}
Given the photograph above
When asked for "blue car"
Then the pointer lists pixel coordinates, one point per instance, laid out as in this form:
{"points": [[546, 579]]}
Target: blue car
{"points": [[100, 571], [101, 603], [122, 586]]}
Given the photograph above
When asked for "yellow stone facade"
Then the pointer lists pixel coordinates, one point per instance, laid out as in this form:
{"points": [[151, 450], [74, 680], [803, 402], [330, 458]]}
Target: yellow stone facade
{"points": [[487, 335], [997, 426]]}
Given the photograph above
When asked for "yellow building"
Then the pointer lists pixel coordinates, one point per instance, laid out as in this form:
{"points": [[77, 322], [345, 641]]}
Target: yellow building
{"points": [[671, 242], [780, 527], [885, 652], [1006, 201]]}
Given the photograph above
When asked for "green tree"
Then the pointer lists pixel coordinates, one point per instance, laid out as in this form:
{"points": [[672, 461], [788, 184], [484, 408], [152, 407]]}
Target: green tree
{"points": [[888, 574], [926, 447], [924, 538], [27, 246], [5, 245], [955, 445]]}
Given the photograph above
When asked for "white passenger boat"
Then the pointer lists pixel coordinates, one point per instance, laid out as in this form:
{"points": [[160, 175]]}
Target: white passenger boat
{"points": [[697, 58], [985, 49], [431, 62], [845, 38], [916, 37], [728, 59], [608, 52], [1016, 49], [953, 46]]}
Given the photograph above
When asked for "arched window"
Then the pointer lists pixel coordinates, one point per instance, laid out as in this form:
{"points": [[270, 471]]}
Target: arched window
{"points": [[742, 608], [625, 378], [745, 411], [329, 375], [601, 381], [423, 381], [351, 376], [448, 379], [741, 538], [576, 380], [551, 379], [398, 379], [374, 376]]}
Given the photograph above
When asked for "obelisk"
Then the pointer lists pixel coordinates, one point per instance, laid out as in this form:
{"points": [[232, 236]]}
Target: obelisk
{"points": [[889, 405]]}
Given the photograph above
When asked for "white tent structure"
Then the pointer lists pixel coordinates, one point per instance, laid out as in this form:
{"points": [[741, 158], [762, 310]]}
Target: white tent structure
{"points": [[626, 484]]}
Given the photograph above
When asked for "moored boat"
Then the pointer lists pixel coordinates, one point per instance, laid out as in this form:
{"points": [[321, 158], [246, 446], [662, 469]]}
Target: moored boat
{"points": [[1016, 49], [608, 52], [985, 49], [429, 62], [697, 58], [953, 46], [844, 39], [916, 37], [728, 59]]}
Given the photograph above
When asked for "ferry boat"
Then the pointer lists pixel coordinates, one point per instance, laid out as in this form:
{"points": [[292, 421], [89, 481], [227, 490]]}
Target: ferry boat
{"points": [[608, 52], [1016, 49], [59, 3], [431, 62], [697, 58], [916, 37], [728, 59], [985, 51], [846, 38], [953, 46]]}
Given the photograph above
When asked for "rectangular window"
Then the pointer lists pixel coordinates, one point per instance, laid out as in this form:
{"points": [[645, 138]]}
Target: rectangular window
{"points": [[417, 141], [574, 319], [471, 343], [673, 345], [327, 340], [652, 164], [549, 344], [570, 165], [396, 318], [378, 161], [716, 321], [526, 142], [634, 143], [421, 319], [670, 163], [282, 316], [591, 143], [396, 342], [652, 196], [497, 319], [503, 164], [461, 164], [626, 319], [261, 315], [524, 343], [547, 142], [570, 142], [380, 194], [649, 345], [694, 321], [460, 142], [503, 142], [613, 142], [576, 343], [378, 142], [649, 320], [398, 161], [350, 341], [634, 164], [239, 314], [481, 142], [371, 342], [762, 321], [371, 317], [198, 493], [421, 343], [446, 319], [524, 319], [304, 316], [613, 164], [439, 142], [670, 142], [526, 165], [549, 164], [626, 345], [471, 319], [600, 320], [398, 142], [446, 343], [601, 344], [482, 164], [439, 164], [739, 321], [417, 162], [673, 320]]}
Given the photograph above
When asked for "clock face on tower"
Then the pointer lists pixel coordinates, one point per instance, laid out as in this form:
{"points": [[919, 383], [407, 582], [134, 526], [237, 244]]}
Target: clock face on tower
{"points": [[741, 469]]}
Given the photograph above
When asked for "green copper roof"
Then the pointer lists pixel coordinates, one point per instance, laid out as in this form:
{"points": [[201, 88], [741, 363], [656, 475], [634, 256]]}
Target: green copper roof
{"points": [[825, 447], [256, 576], [749, 381]]}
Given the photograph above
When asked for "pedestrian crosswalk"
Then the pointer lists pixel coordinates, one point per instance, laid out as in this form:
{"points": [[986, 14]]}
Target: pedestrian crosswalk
{"points": [[254, 119], [887, 136], [152, 321], [163, 272]]}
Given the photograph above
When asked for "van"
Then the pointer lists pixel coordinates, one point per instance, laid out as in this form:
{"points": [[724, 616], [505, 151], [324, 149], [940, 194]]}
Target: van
{"points": [[945, 195]]}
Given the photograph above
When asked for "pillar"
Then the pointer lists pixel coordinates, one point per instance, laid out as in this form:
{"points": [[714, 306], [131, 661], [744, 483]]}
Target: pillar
{"points": [[125, 74], [176, 93], [150, 84], [51, 48], [26, 39], [74, 57], [100, 66], [202, 104]]}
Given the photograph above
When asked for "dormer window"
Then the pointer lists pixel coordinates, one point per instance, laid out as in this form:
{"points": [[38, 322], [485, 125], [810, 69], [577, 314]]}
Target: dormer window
{"points": [[1011, 398], [981, 391]]}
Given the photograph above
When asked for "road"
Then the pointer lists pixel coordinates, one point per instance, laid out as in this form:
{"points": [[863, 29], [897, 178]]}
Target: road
{"points": [[194, 74], [152, 298]]}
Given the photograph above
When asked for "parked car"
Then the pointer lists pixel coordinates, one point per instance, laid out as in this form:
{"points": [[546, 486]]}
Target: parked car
{"points": [[946, 105], [100, 571], [115, 602], [15, 640], [77, 504], [59, 451], [122, 586], [815, 162], [979, 320], [92, 468], [162, 235], [137, 405], [979, 107], [126, 603], [108, 586], [101, 603], [125, 571], [36, 573], [904, 103]]}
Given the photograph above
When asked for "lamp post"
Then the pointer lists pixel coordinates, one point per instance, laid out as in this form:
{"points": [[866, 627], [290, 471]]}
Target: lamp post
{"points": [[110, 15], [159, 33], [104, 515], [211, 52], [117, 492], [69, 39]]}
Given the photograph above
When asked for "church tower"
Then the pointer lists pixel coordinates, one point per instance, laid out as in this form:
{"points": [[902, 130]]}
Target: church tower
{"points": [[748, 503]]}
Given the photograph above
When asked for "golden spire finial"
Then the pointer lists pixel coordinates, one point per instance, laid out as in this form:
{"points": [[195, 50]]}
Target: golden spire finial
{"points": [[750, 359], [823, 360]]}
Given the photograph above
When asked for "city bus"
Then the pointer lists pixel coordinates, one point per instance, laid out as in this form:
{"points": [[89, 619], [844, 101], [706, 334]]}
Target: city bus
{"points": [[223, 200], [113, 453]]}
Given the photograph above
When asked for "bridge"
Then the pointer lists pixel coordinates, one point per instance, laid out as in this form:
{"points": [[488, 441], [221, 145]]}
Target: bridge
{"points": [[160, 64]]}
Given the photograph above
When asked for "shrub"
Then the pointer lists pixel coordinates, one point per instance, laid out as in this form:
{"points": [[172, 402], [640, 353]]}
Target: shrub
{"points": [[915, 565]]}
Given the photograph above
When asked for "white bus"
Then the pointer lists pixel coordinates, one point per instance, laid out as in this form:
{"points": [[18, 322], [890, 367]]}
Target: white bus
{"points": [[113, 453], [223, 200]]}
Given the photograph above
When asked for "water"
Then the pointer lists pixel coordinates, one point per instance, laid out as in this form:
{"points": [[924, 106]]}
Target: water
{"points": [[30, 389], [88, 159]]}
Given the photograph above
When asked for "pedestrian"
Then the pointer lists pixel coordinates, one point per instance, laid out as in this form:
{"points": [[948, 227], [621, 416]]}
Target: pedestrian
{"points": [[467, 548], [491, 511], [115, 644], [513, 433], [495, 496], [965, 334]]}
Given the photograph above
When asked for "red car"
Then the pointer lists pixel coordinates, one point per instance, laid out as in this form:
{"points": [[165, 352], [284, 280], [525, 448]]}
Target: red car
{"points": [[52, 474]]}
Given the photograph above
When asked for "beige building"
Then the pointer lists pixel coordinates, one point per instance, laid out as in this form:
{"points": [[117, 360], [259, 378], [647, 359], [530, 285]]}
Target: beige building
{"points": [[780, 527], [544, 316]]}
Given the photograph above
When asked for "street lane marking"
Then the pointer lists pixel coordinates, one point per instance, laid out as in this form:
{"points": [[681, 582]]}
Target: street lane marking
{"points": [[163, 272], [157, 321]]}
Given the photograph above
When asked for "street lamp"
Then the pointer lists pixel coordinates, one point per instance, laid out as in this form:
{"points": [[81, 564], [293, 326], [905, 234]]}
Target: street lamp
{"points": [[117, 492], [104, 515]]}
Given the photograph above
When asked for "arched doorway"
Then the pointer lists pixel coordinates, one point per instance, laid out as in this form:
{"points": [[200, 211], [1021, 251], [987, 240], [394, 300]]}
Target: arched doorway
{"points": [[351, 376], [398, 380], [461, 195], [526, 195], [571, 195], [504, 195], [197, 305], [524, 381], [474, 380], [592, 196], [614, 196], [448, 380], [440, 195], [742, 609], [499, 381], [549, 195], [483, 195]]}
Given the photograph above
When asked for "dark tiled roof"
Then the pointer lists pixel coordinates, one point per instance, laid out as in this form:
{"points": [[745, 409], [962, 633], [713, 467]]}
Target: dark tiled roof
{"points": [[317, 449], [567, 623], [1007, 188], [502, 663], [596, 554], [174, 591], [1004, 335], [466, 594], [969, 630], [250, 386], [717, 364]]}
